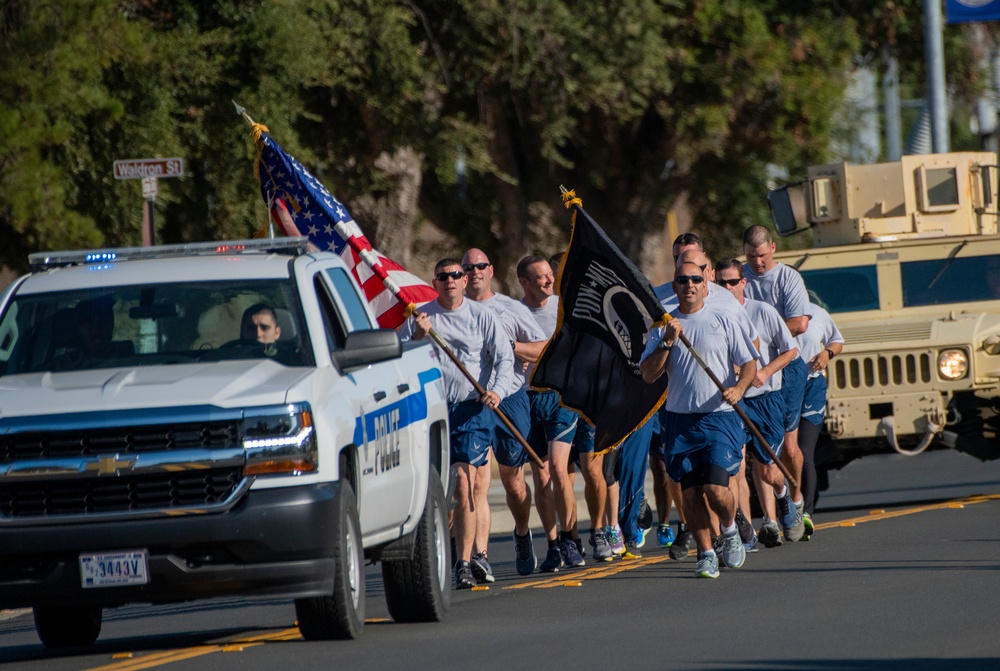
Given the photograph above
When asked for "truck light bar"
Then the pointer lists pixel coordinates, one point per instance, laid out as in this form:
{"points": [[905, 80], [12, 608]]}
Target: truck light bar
{"points": [[46, 260]]}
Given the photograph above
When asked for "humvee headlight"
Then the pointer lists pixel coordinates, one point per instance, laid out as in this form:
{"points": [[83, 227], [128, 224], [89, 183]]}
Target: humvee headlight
{"points": [[953, 364]]}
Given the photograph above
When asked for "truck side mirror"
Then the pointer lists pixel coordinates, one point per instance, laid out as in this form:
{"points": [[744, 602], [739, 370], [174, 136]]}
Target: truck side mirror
{"points": [[787, 205], [370, 346]]}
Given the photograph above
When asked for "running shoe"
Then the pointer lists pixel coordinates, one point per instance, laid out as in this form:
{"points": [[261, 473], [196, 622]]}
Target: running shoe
{"points": [[708, 567], [645, 520], [745, 527], [599, 541], [614, 535], [665, 535], [786, 511], [807, 521], [463, 575], [798, 524], [769, 534], [631, 551], [640, 538], [553, 561], [524, 554], [733, 553], [579, 547], [753, 545], [481, 568], [682, 546], [570, 554]]}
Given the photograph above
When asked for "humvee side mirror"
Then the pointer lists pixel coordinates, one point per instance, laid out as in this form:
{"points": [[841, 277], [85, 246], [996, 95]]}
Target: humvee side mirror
{"points": [[787, 205]]}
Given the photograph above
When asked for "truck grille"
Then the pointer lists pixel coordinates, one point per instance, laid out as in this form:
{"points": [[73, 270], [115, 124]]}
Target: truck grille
{"points": [[882, 371], [119, 494], [134, 439]]}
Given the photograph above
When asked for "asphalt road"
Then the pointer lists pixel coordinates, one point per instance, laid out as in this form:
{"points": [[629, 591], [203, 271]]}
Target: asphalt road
{"points": [[902, 574]]}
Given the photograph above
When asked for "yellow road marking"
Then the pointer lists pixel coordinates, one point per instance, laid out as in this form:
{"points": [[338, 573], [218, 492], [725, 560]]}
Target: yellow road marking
{"points": [[161, 658], [602, 571], [876, 515], [130, 663]]}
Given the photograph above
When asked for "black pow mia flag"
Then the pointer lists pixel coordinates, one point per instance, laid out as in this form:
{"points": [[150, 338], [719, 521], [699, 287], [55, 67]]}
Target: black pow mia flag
{"points": [[606, 310]]}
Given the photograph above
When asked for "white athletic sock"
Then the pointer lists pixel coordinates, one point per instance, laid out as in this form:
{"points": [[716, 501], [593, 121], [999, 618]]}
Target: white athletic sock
{"points": [[781, 494], [730, 530], [799, 502]]}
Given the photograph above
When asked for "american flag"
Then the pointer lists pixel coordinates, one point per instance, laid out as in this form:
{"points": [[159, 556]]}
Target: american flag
{"points": [[303, 206]]}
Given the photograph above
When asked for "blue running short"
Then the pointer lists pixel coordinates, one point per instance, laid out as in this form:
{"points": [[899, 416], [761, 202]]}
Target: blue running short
{"points": [[472, 429], [508, 449], [549, 422], [658, 446], [767, 412], [814, 400], [793, 385], [583, 441], [696, 439]]}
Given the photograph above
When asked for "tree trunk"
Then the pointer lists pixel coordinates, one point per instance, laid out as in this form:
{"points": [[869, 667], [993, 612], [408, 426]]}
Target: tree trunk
{"points": [[391, 215], [511, 229]]}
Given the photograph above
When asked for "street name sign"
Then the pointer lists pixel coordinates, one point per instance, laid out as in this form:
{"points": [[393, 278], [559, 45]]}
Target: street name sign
{"points": [[140, 168]]}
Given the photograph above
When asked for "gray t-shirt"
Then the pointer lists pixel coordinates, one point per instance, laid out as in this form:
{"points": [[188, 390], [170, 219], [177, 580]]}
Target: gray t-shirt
{"points": [[546, 316], [822, 331], [782, 287], [478, 340], [718, 297], [519, 325], [721, 344], [775, 339]]}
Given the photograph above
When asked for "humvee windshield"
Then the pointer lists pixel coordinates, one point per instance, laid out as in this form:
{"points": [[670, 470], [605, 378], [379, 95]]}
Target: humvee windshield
{"points": [[955, 280], [151, 325], [843, 289]]}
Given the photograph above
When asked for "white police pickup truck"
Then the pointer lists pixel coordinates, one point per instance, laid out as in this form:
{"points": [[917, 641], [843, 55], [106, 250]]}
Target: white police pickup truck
{"points": [[225, 419]]}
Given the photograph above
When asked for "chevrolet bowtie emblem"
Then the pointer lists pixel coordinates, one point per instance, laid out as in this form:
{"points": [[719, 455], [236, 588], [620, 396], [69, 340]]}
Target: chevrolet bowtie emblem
{"points": [[110, 465]]}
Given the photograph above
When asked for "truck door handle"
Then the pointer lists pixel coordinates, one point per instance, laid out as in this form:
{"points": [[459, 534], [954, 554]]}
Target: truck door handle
{"points": [[402, 388], [379, 395]]}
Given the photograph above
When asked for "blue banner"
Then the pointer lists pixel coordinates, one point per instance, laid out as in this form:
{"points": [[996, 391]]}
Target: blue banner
{"points": [[963, 11]]}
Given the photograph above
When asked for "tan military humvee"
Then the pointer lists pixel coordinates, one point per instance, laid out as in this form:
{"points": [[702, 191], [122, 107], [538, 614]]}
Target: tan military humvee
{"points": [[907, 261]]}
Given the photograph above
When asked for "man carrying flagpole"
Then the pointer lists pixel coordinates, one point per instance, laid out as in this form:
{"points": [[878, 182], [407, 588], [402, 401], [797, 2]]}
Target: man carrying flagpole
{"points": [[482, 347], [705, 435]]}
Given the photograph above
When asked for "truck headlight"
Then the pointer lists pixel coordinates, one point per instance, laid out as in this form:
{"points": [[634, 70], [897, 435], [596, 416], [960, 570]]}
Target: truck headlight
{"points": [[953, 364], [280, 440]]}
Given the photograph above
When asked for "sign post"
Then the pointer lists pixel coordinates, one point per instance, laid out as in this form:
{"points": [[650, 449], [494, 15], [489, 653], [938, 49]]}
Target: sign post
{"points": [[148, 170]]}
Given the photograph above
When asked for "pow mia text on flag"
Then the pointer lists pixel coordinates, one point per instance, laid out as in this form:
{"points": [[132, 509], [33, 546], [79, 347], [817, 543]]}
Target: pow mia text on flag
{"points": [[605, 300]]}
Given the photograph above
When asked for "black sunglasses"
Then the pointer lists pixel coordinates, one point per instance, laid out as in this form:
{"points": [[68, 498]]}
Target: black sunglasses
{"points": [[689, 279], [468, 267], [453, 275], [731, 283]]}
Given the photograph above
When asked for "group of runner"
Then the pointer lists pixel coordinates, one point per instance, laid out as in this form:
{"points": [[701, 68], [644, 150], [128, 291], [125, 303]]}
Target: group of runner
{"points": [[752, 324]]}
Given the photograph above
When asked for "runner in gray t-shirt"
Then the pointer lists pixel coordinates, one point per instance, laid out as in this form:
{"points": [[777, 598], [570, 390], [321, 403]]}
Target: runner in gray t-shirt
{"points": [[763, 401], [526, 342], [553, 428], [782, 287], [705, 436], [477, 339]]}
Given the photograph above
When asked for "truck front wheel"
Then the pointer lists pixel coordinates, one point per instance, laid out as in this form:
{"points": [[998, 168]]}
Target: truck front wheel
{"points": [[419, 589], [68, 627], [340, 615]]}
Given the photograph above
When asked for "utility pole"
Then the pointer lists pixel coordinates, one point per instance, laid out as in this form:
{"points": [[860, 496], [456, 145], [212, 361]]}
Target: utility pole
{"points": [[890, 96], [936, 94]]}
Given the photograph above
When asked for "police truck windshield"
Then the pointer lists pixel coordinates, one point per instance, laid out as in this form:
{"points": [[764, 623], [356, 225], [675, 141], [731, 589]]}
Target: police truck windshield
{"points": [[153, 325]]}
